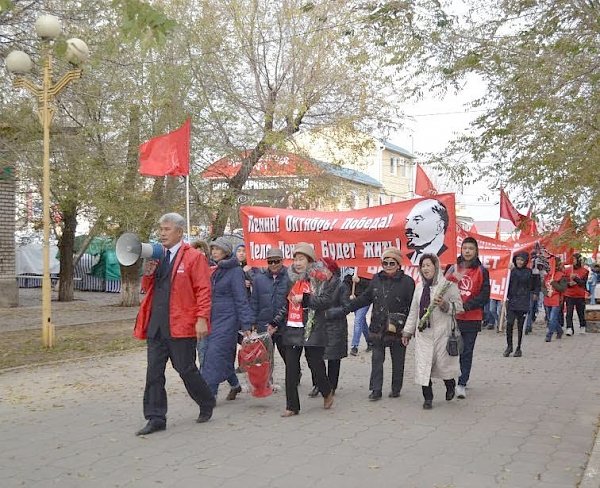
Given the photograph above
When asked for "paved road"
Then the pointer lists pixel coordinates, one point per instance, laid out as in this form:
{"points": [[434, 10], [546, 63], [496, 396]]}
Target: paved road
{"points": [[527, 422]]}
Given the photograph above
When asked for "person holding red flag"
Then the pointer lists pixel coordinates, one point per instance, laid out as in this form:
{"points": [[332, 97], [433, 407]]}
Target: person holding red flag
{"points": [[575, 294], [555, 284]]}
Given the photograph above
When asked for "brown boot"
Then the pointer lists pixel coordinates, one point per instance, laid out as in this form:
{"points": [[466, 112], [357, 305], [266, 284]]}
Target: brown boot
{"points": [[328, 401]]}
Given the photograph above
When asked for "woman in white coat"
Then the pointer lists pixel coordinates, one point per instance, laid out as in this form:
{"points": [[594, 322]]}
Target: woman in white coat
{"points": [[431, 358]]}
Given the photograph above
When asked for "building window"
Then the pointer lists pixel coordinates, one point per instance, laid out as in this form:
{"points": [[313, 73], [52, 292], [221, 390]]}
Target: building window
{"points": [[394, 166]]}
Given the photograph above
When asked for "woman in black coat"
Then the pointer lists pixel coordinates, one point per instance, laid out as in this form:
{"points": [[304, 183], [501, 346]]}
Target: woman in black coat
{"points": [[303, 324], [390, 291], [337, 332]]}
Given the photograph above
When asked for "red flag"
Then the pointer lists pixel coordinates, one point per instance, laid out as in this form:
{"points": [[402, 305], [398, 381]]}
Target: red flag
{"points": [[508, 211], [167, 155], [474, 229], [498, 235], [529, 227], [593, 228], [423, 185], [566, 224]]}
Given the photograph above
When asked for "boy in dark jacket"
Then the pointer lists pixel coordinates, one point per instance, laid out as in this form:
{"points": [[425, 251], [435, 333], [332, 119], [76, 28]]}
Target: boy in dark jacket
{"points": [[521, 285], [473, 282]]}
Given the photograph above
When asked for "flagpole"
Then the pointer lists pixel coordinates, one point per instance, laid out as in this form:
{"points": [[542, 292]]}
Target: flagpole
{"points": [[187, 206]]}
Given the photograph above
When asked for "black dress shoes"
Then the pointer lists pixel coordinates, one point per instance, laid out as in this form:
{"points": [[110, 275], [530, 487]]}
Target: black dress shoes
{"points": [[204, 416], [394, 394], [151, 427]]}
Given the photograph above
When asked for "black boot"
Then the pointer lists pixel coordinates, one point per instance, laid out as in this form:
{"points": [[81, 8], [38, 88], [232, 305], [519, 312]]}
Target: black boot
{"points": [[450, 389], [314, 392], [518, 352], [507, 351]]}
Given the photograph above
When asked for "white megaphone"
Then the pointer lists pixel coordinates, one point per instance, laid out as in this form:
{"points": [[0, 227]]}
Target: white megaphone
{"points": [[129, 249]]}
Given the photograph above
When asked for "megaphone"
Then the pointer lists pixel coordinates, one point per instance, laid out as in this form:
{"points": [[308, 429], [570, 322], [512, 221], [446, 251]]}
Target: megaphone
{"points": [[129, 249]]}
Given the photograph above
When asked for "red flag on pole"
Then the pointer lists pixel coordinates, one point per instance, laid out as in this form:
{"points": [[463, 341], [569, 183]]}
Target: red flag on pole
{"points": [[167, 155], [566, 224], [593, 228], [509, 212], [529, 227], [423, 185], [498, 235]]}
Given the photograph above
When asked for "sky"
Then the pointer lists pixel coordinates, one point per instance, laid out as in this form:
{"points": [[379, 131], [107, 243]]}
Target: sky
{"points": [[432, 125]]}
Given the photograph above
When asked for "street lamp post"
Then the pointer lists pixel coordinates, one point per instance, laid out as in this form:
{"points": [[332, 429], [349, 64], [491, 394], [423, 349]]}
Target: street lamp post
{"points": [[48, 28]]}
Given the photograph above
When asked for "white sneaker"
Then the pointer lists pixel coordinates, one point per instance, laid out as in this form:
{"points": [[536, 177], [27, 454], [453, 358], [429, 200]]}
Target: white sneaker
{"points": [[460, 391], [582, 330], [569, 331]]}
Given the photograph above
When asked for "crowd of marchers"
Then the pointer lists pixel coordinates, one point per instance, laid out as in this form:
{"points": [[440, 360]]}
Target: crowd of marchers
{"points": [[200, 299]]}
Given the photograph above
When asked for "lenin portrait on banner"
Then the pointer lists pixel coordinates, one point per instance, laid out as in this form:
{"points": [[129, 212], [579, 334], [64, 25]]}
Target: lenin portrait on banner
{"points": [[425, 229]]}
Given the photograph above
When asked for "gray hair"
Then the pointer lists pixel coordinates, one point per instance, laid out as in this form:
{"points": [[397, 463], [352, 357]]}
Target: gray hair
{"points": [[174, 218]]}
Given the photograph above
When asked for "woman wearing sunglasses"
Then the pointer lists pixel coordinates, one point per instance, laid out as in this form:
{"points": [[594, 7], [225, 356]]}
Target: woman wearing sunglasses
{"points": [[390, 291]]}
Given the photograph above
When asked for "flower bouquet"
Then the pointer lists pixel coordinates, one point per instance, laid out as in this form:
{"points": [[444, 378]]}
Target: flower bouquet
{"points": [[254, 359], [424, 320]]}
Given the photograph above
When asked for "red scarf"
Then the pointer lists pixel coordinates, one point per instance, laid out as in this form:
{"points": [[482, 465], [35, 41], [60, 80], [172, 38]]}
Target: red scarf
{"points": [[295, 312]]}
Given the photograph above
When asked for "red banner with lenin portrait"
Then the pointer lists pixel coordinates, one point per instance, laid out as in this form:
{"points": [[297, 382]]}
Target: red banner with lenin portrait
{"points": [[356, 237]]}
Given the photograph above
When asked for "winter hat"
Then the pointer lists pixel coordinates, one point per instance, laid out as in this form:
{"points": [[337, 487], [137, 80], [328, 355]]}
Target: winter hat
{"points": [[224, 244], [330, 264], [394, 253], [306, 249], [471, 240], [274, 252]]}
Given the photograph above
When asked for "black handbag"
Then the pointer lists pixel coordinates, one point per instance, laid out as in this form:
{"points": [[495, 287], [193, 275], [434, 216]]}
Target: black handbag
{"points": [[395, 323], [455, 345]]}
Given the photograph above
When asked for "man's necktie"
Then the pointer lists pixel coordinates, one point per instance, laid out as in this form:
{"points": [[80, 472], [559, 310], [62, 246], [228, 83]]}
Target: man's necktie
{"points": [[165, 264]]}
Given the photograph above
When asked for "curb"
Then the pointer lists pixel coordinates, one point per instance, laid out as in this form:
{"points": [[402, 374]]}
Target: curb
{"points": [[591, 475]]}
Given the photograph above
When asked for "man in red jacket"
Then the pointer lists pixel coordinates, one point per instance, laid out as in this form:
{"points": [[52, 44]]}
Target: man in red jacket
{"points": [[575, 294], [474, 284], [173, 315]]}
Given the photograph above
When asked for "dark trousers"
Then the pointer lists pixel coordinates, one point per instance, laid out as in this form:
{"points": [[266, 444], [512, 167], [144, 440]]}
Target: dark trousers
{"points": [[314, 357], [466, 358], [428, 390], [579, 305], [182, 353], [511, 316], [333, 373], [278, 342], [398, 352]]}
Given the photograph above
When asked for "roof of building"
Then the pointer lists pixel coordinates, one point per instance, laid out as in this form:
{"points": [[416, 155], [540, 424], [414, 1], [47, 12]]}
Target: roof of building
{"points": [[400, 150], [489, 226], [283, 164]]}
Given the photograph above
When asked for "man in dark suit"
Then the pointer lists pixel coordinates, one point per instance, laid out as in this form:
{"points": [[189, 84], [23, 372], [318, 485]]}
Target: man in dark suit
{"points": [[173, 315]]}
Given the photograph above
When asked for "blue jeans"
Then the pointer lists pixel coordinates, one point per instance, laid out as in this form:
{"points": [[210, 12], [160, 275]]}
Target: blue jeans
{"points": [[494, 306], [533, 308], [360, 326], [553, 321], [593, 293], [466, 358]]}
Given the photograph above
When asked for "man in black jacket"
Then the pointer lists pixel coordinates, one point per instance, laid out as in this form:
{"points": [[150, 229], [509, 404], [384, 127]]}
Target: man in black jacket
{"points": [[269, 294], [390, 291]]}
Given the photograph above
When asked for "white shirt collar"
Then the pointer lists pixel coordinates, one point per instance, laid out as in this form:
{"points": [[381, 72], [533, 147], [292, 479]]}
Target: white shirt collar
{"points": [[174, 249]]}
